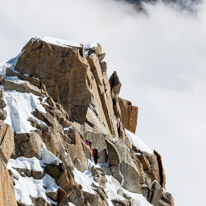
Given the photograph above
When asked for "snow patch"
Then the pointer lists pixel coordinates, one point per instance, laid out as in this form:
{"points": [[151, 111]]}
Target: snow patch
{"points": [[19, 109], [71, 204], [10, 64], [88, 46], [58, 42], [137, 142], [48, 157], [85, 179], [25, 163], [67, 128], [112, 190], [26, 187]]}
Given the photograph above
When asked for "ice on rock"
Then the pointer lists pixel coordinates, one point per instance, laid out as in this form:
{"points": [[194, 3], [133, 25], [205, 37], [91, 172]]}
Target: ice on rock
{"points": [[137, 142]]}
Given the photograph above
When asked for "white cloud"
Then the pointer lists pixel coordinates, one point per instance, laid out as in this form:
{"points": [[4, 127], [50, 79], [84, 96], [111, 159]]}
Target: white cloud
{"points": [[160, 58]]}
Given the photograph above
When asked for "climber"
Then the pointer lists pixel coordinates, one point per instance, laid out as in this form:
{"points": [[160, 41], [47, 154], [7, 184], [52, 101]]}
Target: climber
{"points": [[95, 153], [89, 143]]}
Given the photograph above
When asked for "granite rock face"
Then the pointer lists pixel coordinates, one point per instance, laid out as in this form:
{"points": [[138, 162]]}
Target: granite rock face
{"points": [[7, 195], [78, 102], [129, 114]]}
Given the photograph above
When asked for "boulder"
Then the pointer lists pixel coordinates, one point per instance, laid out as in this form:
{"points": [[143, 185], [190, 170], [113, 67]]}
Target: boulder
{"points": [[101, 57], [167, 198], [39, 201], [150, 166], [95, 199], [53, 195], [7, 194], [6, 141], [129, 114], [162, 203], [77, 196], [156, 193], [62, 176], [115, 83], [38, 175], [103, 67], [161, 169], [2, 103], [3, 114], [114, 160], [28, 145]]}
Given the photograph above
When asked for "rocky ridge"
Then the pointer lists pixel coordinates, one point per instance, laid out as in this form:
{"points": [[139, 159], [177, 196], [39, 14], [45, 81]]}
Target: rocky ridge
{"points": [[54, 96]]}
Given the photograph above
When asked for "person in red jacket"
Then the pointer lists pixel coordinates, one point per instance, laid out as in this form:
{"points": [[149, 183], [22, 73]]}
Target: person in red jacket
{"points": [[95, 154]]}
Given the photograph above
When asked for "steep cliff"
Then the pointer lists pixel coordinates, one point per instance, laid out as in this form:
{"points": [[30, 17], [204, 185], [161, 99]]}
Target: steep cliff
{"points": [[55, 95]]}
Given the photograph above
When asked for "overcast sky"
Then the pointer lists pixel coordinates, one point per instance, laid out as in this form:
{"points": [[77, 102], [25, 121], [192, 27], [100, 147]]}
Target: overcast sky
{"points": [[160, 58]]}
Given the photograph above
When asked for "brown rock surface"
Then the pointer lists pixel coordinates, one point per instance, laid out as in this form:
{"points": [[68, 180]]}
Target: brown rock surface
{"points": [[32, 80], [157, 191], [21, 87], [7, 195], [3, 114], [161, 169], [167, 198], [6, 141], [150, 166], [63, 71], [28, 145], [77, 154], [69, 79], [129, 115], [115, 83]]}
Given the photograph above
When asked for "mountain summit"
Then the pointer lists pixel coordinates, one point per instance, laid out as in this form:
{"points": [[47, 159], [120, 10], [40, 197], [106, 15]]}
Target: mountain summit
{"points": [[66, 137]]}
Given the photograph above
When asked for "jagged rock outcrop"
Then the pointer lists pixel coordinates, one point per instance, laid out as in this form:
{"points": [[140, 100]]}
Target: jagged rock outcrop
{"points": [[6, 141], [71, 100], [7, 195], [129, 114], [74, 81]]}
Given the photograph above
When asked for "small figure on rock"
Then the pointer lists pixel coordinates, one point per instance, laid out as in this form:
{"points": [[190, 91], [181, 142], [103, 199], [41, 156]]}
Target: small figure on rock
{"points": [[95, 154], [89, 143]]}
